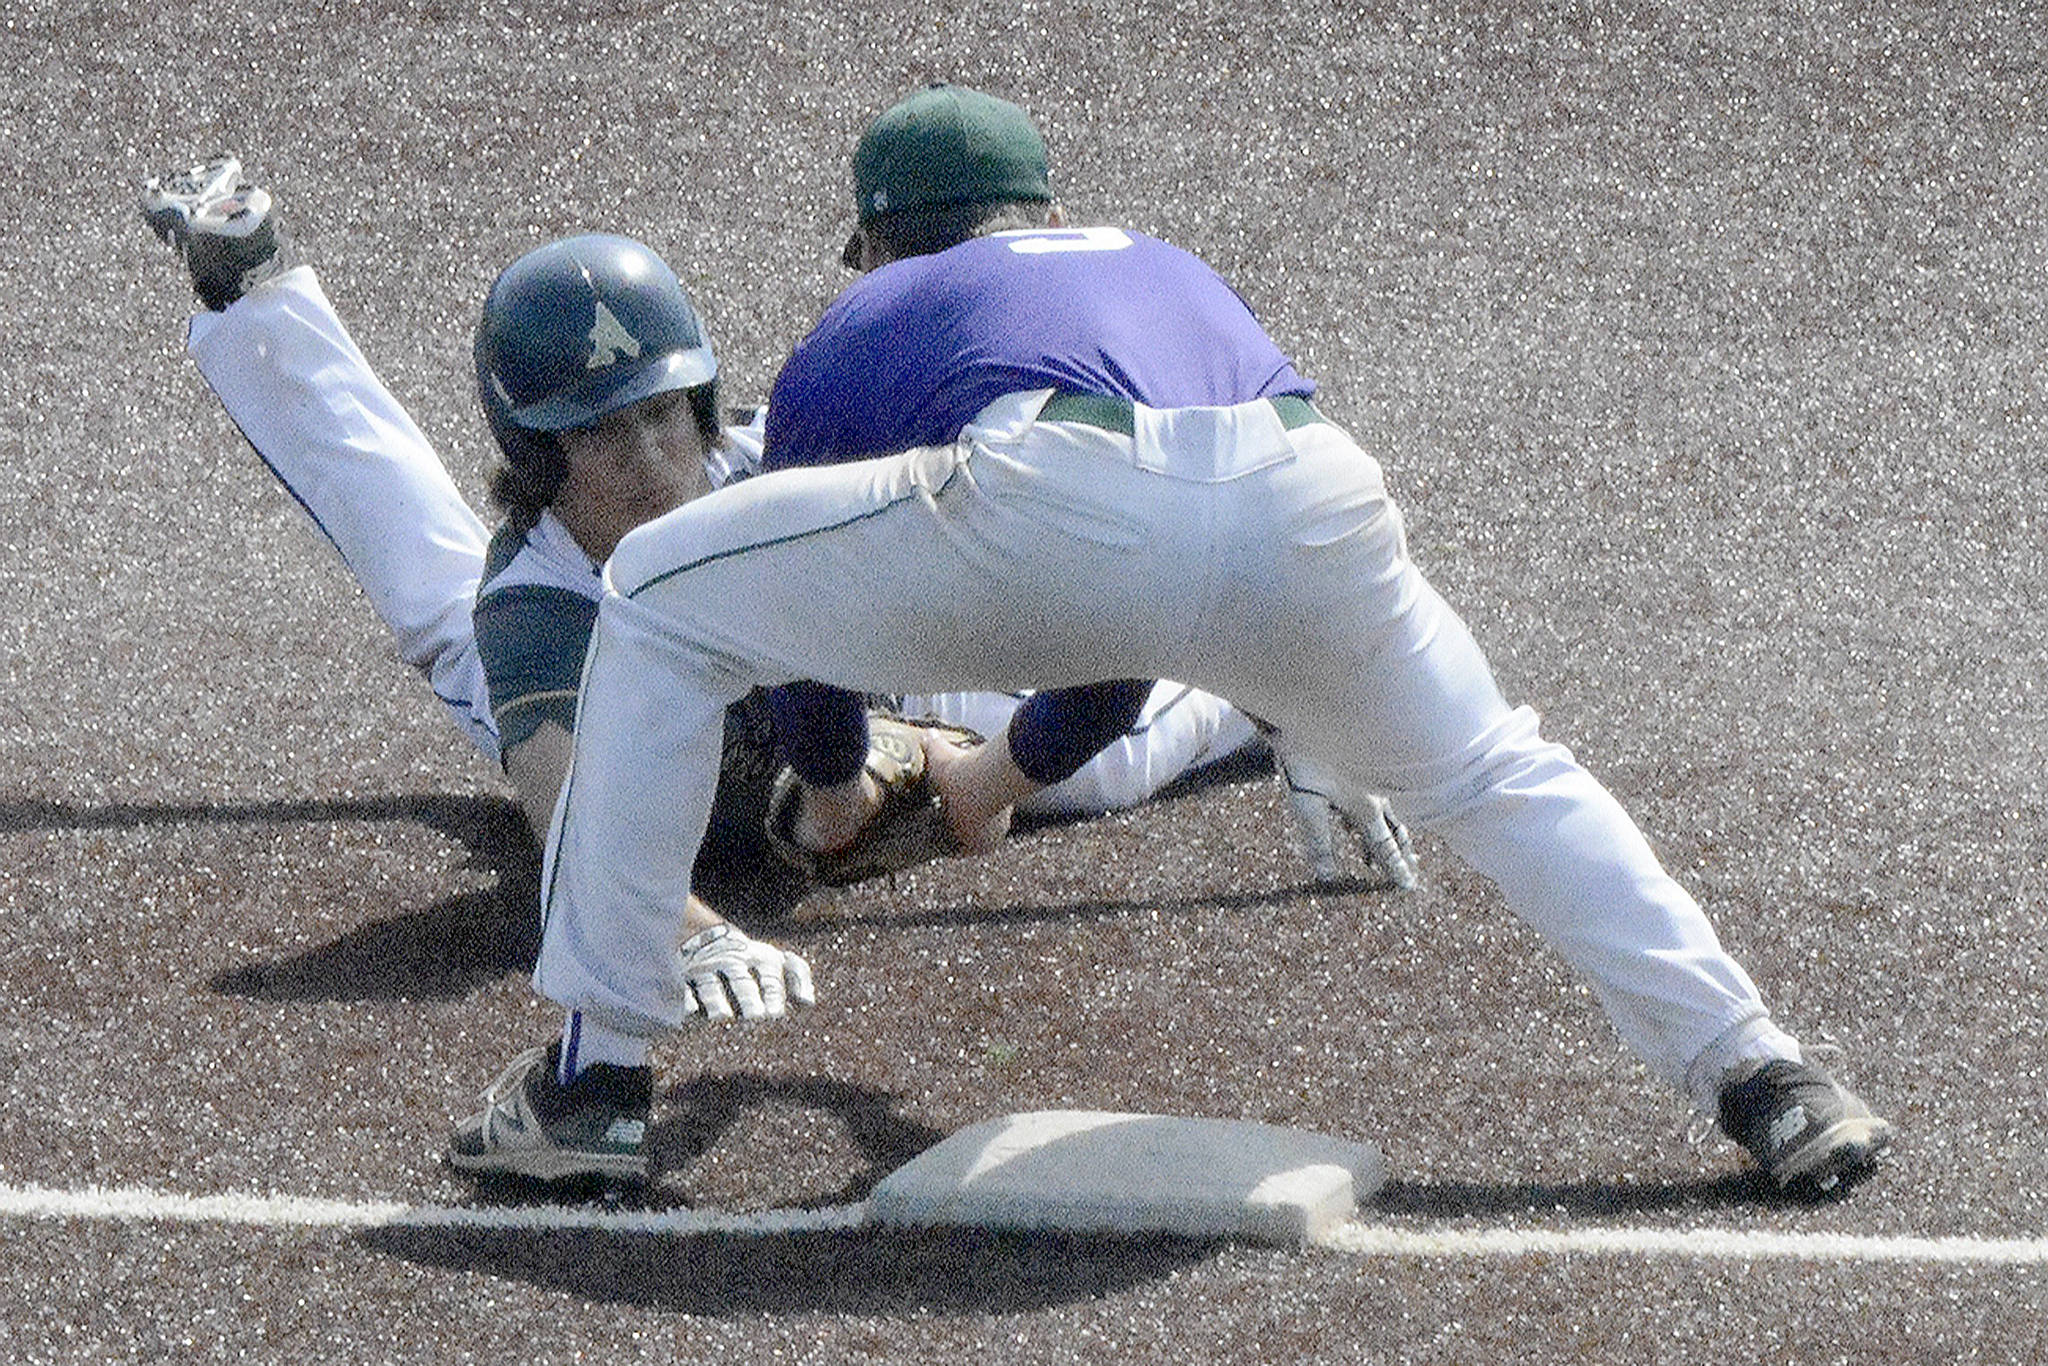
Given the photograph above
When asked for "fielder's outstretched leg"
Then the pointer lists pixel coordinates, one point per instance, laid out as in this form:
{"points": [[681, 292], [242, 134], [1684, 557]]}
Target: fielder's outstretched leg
{"points": [[1387, 692]]}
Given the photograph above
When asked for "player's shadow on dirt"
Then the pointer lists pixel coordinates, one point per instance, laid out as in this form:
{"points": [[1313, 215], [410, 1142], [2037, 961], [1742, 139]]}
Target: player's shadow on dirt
{"points": [[855, 1271], [446, 950], [465, 942], [443, 951], [699, 1112]]}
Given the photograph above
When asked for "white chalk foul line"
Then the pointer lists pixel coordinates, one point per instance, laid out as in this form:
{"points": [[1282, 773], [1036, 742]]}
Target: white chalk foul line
{"points": [[1368, 1240], [142, 1205], [138, 1204]]}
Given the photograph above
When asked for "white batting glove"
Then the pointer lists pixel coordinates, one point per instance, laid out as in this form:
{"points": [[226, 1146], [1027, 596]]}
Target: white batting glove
{"points": [[729, 974], [1318, 819]]}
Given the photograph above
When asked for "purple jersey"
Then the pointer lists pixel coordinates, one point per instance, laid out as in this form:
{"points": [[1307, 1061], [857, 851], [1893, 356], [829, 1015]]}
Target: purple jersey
{"points": [[911, 352]]}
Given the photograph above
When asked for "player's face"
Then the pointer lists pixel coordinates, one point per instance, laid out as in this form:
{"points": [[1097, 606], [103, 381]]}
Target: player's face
{"points": [[649, 456]]}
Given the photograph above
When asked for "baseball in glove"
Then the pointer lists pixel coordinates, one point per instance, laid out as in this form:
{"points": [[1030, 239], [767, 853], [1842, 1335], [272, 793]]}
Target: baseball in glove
{"points": [[910, 826]]}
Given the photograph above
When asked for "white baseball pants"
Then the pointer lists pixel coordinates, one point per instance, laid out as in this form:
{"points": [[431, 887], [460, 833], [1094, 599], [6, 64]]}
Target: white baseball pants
{"points": [[1265, 565]]}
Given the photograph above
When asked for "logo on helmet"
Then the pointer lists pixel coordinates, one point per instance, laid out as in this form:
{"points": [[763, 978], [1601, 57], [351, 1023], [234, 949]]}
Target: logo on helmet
{"points": [[610, 342]]}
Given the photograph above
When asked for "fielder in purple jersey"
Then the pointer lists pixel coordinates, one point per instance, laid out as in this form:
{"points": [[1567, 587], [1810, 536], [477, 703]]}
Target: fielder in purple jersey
{"points": [[935, 339], [1102, 470]]}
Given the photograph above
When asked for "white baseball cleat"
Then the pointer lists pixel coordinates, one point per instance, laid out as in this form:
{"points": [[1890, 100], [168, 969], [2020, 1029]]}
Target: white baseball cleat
{"points": [[221, 223]]}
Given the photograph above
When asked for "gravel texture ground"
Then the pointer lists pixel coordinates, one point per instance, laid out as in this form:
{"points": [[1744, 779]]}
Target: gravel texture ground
{"points": [[1703, 346]]}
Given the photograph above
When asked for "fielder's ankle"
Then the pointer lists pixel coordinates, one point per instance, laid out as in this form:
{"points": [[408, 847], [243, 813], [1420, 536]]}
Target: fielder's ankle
{"points": [[586, 1043]]}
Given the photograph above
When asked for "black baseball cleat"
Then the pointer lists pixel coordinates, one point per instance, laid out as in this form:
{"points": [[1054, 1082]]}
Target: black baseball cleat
{"points": [[222, 224], [532, 1126], [1808, 1133]]}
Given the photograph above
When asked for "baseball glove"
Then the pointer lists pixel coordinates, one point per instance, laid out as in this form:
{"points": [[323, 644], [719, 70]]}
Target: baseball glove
{"points": [[910, 827]]}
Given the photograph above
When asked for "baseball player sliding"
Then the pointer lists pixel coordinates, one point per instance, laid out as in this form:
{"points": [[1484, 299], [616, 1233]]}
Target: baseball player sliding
{"points": [[499, 625], [1017, 453]]}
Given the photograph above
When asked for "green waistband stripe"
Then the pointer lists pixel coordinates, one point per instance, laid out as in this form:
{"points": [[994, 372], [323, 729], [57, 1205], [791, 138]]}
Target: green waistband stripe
{"points": [[1117, 415]]}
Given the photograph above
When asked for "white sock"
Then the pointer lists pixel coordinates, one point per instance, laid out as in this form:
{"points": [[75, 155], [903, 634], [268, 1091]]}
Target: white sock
{"points": [[1754, 1040], [585, 1042]]}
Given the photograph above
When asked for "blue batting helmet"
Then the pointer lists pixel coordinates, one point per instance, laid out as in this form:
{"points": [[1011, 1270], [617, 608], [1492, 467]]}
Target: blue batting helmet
{"points": [[580, 328]]}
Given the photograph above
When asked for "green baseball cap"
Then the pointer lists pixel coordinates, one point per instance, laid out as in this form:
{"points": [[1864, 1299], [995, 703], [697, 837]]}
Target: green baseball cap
{"points": [[947, 145]]}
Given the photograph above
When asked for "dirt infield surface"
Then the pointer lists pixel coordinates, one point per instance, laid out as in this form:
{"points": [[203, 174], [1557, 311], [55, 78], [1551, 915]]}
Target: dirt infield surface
{"points": [[1703, 345]]}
